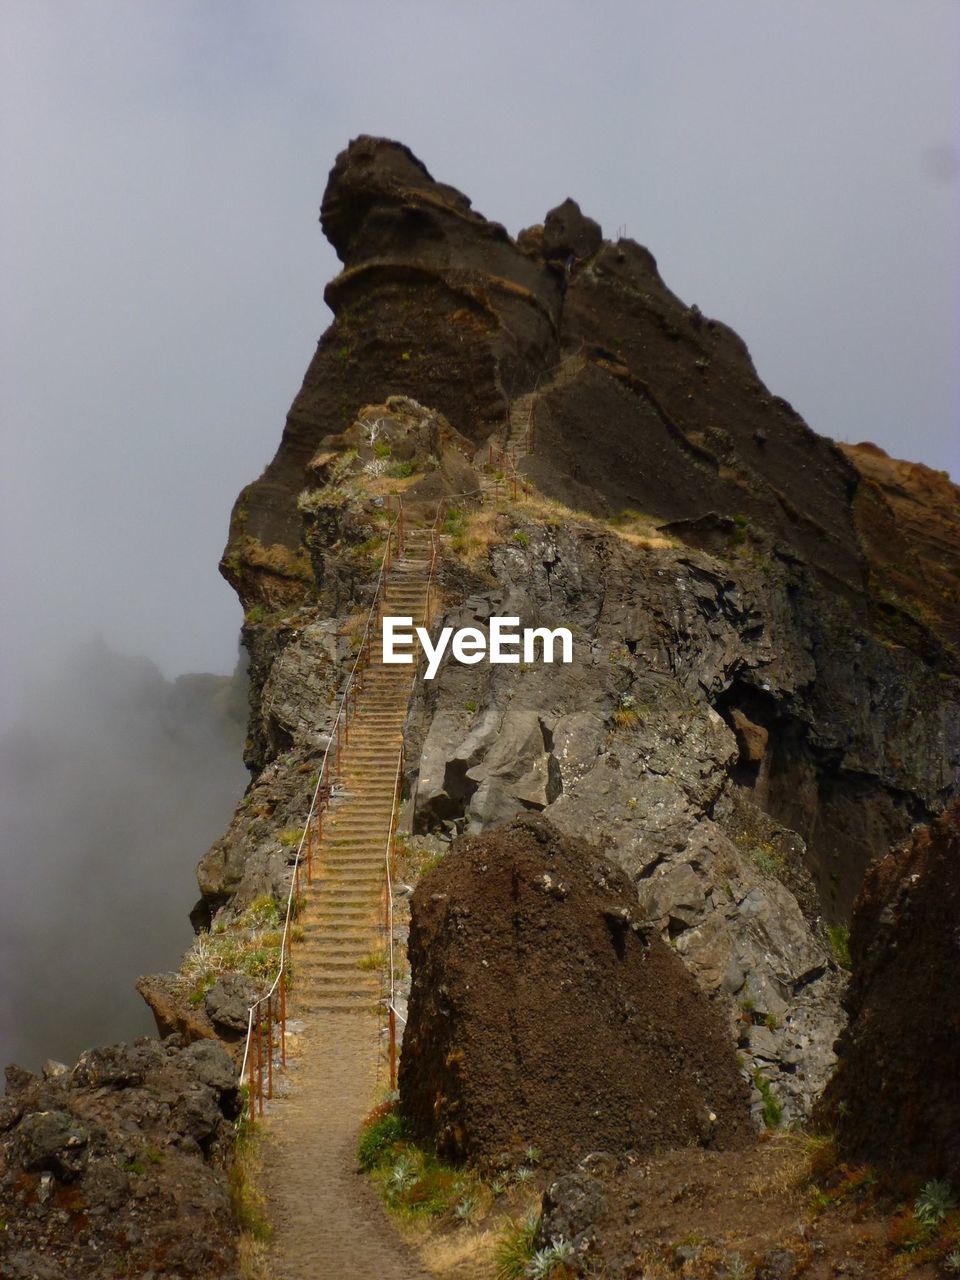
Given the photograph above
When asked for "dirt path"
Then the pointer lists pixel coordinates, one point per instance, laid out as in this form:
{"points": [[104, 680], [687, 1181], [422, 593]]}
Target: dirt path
{"points": [[328, 1223]]}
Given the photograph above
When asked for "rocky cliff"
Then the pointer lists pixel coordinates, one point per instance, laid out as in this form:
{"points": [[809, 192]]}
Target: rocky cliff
{"points": [[761, 700], [765, 682]]}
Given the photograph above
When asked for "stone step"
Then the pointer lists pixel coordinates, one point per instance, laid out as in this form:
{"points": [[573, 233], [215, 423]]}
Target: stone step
{"points": [[330, 958], [351, 897], [340, 888], [317, 933], [357, 915], [357, 1005], [331, 915], [356, 983], [373, 858]]}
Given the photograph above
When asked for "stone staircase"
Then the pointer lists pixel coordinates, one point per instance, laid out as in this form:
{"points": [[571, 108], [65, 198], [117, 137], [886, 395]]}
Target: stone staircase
{"points": [[343, 907]]}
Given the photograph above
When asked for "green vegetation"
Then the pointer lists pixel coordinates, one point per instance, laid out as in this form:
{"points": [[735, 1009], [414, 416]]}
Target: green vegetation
{"points": [[250, 945], [839, 935], [400, 470], [381, 449], [454, 522], [767, 858], [383, 1129], [544, 1263], [935, 1201], [772, 1109], [520, 538], [414, 1183], [515, 1251], [290, 837], [246, 1203]]}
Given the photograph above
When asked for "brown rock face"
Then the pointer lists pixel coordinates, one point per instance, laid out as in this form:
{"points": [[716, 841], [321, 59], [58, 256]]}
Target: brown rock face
{"points": [[896, 1096], [434, 302], [908, 517], [438, 303], [541, 1014]]}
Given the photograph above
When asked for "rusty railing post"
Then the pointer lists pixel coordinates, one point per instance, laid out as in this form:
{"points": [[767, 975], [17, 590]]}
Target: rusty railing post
{"points": [[283, 1017], [251, 1087], [393, 1049], [260, 1058], [269, 1046]]}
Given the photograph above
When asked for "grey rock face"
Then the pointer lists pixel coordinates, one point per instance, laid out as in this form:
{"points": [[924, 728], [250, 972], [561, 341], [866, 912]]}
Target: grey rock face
{"points": [[228, 1002], [661, 741]]}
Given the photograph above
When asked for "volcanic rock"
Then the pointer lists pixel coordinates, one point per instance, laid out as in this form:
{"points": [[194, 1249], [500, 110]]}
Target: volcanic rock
{"points": [[895, 1098], [542, 1013], [118, 1166]]}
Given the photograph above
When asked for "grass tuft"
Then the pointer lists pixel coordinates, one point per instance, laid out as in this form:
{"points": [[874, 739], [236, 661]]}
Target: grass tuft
{"points": [[515, 1250]]}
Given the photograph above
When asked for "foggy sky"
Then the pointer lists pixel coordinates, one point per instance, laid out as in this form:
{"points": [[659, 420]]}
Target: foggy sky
{"points": [[793, 167]]}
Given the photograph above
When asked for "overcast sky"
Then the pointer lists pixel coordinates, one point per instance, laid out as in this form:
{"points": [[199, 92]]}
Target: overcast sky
{"points": [[794, 167]]}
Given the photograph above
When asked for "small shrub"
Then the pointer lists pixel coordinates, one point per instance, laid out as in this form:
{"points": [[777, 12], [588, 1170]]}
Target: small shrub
{"points": [[767, 859], [464, 1209], [772, 1108], [402, 1176], [381, 1131], [935, 1201], [626, 717], [381, 449], [470, 706], [520, 538], [400, 470], [454, 522]]}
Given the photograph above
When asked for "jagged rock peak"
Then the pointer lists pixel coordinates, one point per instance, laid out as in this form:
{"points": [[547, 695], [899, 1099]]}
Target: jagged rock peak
{"points": [[567, 231], [378, 188]]}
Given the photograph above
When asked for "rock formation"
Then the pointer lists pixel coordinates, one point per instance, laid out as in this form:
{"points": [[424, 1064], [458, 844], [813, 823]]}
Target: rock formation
{"points": [[543, 1014], [895, 1099], [118, 1166], [763, 697], [759, 705]]}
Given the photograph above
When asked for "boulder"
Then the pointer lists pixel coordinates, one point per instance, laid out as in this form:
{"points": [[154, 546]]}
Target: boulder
{"points": [[228, 1002], [541, 1012]]}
